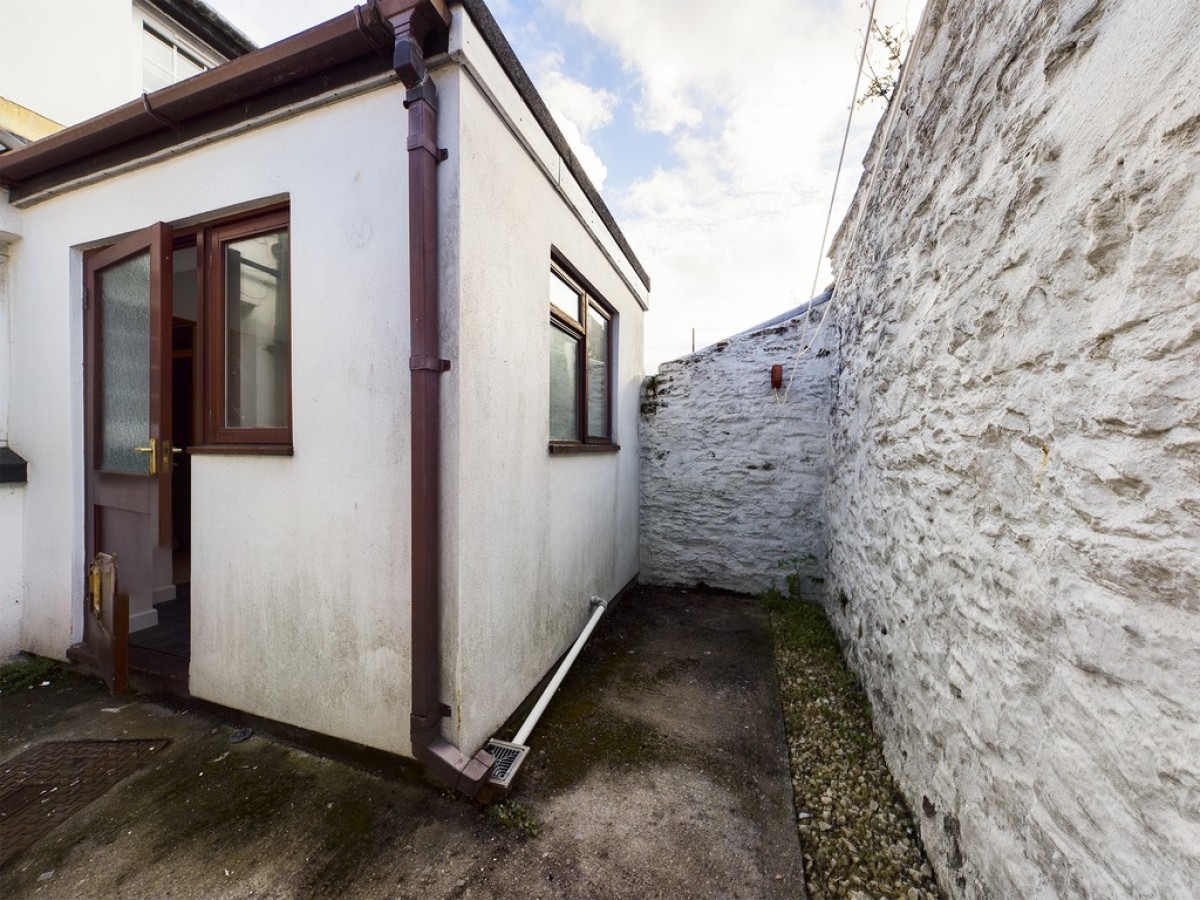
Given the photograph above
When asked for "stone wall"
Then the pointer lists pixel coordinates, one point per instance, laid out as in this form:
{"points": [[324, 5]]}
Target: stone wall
{"points": [[1014, 506], [733, 471]]}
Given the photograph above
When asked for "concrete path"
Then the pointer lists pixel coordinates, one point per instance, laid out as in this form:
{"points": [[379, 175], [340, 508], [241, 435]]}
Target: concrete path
{"points": [[659, 771]]}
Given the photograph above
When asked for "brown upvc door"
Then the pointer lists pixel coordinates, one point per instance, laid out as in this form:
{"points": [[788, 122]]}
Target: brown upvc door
{"points": [[128, 453]]}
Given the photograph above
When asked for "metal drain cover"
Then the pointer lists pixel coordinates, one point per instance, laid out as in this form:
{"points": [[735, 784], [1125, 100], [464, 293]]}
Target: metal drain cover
{"points": [[508, 759], [46, 785]]}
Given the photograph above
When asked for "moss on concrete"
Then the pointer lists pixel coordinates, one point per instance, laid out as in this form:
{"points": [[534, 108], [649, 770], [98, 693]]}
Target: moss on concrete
{"points": [[28, 672]]}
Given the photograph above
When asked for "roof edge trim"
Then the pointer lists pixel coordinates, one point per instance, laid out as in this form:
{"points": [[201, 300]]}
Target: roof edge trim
{"points": [[207, 24], [489, 29]]}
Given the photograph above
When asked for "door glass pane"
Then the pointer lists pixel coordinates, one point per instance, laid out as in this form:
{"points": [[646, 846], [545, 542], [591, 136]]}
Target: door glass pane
{"points": [[597, 385], [258, 349], [123, 399], [564, 383]]}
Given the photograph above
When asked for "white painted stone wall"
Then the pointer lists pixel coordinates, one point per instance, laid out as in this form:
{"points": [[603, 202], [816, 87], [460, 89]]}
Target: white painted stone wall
{"points": [[1014, 507], [733, 471]]}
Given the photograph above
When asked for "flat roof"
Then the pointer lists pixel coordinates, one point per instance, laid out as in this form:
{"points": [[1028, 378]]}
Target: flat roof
{"points": [[207, 24]]}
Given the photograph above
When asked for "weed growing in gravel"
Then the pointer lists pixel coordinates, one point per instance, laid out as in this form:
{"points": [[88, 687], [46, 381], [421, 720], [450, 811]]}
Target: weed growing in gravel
{"points": [[858, 837], [514, 815]]}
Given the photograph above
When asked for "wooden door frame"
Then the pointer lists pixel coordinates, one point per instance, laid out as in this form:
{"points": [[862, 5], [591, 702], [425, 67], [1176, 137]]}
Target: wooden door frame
{"points": [[157, 240]]}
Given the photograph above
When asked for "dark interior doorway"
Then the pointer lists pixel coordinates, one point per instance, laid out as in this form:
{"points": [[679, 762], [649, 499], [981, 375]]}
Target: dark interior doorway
{"points": [[166, 645]]}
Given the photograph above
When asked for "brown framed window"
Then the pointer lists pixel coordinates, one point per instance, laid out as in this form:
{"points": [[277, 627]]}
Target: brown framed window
{"points": [[582, 326], [248, 331]]}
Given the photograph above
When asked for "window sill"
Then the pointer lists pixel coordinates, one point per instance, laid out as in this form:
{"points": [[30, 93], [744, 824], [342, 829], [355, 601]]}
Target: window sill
{"points": [[584, 448], [241, 450]]}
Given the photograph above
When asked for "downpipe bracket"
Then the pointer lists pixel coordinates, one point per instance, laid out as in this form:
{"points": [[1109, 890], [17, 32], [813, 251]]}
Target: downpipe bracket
{"points": [[428, 364]]}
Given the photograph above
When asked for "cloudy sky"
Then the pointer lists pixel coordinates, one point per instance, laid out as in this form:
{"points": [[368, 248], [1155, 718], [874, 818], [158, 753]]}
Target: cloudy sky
{"points": [[712, 130]]}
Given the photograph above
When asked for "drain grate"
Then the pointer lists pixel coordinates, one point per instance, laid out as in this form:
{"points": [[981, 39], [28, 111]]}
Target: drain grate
{"points": [[46, 785], [508, 759]]}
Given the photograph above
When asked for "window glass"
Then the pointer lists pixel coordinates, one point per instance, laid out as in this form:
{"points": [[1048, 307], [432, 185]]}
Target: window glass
{"points": [[163, 62], [564, 296], [158, 68], [597, 374], [257, 342], [581, 349], [564, 385], [186, 67]]}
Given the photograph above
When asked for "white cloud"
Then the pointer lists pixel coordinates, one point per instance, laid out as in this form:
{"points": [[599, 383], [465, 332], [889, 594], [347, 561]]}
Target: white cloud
{"points": [[754, 102], [588, 107], [579, 109], [592, 164]]}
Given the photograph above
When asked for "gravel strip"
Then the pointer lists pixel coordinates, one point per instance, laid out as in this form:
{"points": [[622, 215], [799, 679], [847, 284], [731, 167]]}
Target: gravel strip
{"points": [[856, 831]]}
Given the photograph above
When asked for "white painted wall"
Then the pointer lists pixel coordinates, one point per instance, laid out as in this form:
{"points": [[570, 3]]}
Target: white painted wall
{"points": [[300, 565], [528, 537], [12, 496], [733, 473], [1015, 506], [68, 61], [7, 251], [74, 59], [300, 572]]}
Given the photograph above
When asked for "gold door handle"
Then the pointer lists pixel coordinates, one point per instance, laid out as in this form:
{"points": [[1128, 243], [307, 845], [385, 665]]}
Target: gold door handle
{"points": [[153, 451]]}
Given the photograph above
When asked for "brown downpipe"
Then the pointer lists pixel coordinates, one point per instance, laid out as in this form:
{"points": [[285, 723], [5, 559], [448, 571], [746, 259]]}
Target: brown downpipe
{"points": [[412, 23]]}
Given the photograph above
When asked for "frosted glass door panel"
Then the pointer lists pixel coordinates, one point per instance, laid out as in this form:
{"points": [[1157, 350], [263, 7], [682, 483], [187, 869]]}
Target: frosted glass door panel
{"points": [[123, 406]]}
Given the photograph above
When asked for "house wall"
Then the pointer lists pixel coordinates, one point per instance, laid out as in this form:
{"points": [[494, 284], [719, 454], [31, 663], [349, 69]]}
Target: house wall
{"points": [[75, 59], [7, 239], [529, 537], [733, 472], [12, 496], [300, 575], [70, 60], [1014, 509]]}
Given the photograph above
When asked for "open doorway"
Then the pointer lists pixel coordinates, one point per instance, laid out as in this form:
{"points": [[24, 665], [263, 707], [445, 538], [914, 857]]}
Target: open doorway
{"points": [[187, 349], [164, 643]]}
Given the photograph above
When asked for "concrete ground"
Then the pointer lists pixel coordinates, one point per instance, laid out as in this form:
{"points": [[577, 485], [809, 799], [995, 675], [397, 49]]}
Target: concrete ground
{"points": [[660, 770]]}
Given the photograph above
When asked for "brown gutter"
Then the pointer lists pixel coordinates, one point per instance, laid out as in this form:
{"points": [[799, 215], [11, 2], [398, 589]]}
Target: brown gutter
{"points": [[310, 54], [412, 21]]}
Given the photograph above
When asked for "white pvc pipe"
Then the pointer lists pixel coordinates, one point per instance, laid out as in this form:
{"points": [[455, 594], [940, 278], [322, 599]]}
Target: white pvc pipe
{"points": [[544, 701]]}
